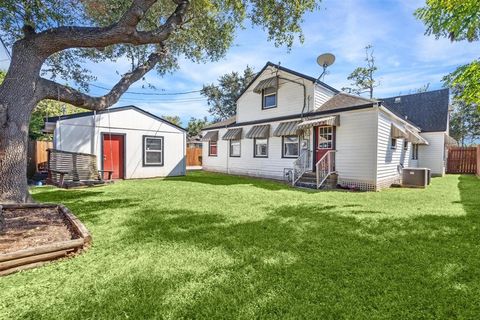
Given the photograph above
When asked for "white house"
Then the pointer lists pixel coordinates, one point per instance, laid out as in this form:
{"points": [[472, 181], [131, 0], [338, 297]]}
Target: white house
{"points": [[131, 142], [289, 125]]}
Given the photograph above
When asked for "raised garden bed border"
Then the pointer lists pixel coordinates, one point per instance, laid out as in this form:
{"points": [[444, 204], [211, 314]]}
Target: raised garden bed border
{"points": [[34, 257]]}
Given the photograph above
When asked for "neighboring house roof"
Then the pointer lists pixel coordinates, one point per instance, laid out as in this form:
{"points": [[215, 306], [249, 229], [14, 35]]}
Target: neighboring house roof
{"points": [[195, 139], [223, 123], [90, 113], [428, 110], [298, 74], [344, 100]]}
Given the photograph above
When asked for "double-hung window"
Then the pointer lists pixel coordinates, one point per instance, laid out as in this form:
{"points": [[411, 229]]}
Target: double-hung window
{"points": [[290, 146], [212, 148], [234, 148], [152, 151], [405, 145], [415, 152], [261, 148], [269, 98], [393, 143]]}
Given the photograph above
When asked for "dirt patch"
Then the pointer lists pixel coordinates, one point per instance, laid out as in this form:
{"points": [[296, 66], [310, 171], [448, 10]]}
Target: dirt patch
{"points": [[32, 227]]}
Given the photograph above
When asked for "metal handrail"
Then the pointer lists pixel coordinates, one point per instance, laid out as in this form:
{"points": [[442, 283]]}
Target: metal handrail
{"points": [[300, 166], [325, 167]]}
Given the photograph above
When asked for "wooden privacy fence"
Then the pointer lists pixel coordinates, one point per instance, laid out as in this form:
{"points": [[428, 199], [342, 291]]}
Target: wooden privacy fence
{"points": [[37, 156], [462, 160], [194, 156]]}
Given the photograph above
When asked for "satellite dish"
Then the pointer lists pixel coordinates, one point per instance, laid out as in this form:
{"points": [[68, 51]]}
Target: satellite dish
{"points": [[325, 60]]}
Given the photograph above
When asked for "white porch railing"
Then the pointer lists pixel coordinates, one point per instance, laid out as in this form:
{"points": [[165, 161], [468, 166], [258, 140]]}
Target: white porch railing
{"points": [[325, 167], [300, 165]]}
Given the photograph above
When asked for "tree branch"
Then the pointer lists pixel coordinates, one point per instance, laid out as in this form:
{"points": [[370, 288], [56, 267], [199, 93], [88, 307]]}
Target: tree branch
{"points": [[56, 91], [124, 31]]}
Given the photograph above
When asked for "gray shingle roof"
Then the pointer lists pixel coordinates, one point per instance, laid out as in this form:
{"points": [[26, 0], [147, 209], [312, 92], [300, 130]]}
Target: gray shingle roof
{"points": [[220, 124], [343, 100], [428, 110]]}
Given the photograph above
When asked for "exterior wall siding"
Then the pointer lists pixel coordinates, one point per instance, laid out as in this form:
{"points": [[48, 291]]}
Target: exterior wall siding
{"points": [[85, 135], [272, 167], [355, 145], [433, 155], [354, 160], [321, 96], [389, 160], [290, 98]]}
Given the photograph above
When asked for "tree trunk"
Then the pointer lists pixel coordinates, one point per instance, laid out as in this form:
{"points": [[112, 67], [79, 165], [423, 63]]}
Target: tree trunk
{"points": [[17, 100]]}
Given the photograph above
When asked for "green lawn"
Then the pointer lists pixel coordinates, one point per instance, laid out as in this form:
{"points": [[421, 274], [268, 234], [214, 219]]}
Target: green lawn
{"points": [[215, 246]]}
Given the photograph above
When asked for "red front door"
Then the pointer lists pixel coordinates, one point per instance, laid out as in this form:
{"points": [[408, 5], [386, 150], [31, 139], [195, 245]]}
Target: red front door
{"points": [[113, 155], [324, 140]]}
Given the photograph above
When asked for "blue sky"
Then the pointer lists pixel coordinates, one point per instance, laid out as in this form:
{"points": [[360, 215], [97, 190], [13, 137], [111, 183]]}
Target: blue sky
{"points": [[406, 58]]}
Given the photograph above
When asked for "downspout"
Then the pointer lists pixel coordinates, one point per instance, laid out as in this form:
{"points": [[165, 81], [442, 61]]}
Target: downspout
{"points": [[304, 93], [376, 145], [228, 151]]}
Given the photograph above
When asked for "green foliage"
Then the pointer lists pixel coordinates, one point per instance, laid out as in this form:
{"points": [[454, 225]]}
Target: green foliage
{"points": [[454, 19], [363, 77], [457, 20], [464, 123], [222, 98], [209, 31], [467, 79], [195, 125], [173, 119], [44, 109], [212, 246]]}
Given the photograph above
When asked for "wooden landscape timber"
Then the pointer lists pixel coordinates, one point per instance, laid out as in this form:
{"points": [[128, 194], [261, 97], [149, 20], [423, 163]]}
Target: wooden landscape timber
{"points": [[33, 257]]}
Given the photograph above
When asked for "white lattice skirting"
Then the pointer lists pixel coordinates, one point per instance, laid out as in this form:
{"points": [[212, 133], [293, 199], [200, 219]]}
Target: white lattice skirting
{"points": [[387, 182], [357, 184]]}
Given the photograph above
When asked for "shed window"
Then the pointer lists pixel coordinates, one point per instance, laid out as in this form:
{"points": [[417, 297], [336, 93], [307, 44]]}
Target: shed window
{"points": [[415, 152], [212, 148], [261, 148], [393, 143], [290, 147], [234, 148], [152, 151], [269, 98]]}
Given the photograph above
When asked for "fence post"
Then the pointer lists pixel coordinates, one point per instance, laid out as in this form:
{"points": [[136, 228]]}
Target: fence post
{"points": [[478, 161]]}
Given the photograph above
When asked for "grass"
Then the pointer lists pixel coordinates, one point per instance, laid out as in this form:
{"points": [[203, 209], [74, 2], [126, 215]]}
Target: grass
{"points": [[215, 246]]}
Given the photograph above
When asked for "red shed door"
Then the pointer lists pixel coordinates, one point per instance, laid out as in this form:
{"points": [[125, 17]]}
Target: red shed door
{"points": [[325, 136], [113, 155]]}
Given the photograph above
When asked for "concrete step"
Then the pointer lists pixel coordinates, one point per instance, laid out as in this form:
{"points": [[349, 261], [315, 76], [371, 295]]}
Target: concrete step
{"points": [[308, 185]]}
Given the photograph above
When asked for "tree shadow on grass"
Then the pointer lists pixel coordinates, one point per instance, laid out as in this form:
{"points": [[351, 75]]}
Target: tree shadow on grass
{"points": [[310, 261], [300, 261], [220, 179], [82, 203], [67, 196]]}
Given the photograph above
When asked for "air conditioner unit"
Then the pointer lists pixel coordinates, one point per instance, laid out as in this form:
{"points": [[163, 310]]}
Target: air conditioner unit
{"points": [[416, 177]]}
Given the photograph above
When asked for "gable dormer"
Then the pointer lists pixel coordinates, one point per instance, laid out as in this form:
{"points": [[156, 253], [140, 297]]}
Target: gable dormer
{"points": [[278, 92]]}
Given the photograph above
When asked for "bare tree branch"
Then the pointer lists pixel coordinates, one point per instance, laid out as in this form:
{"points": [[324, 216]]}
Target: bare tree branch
{"points": [[56, 91], [124, 31]]}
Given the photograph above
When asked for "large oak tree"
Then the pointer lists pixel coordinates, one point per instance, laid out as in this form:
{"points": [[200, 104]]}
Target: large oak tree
{"points": [[50, 40]]}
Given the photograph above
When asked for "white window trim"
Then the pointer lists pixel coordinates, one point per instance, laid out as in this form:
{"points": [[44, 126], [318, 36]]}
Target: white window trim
{"points": [[255, 155], [145, 151], [239, 149], [210, 154], [264, 95], [329, 141], [285, 149]]}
